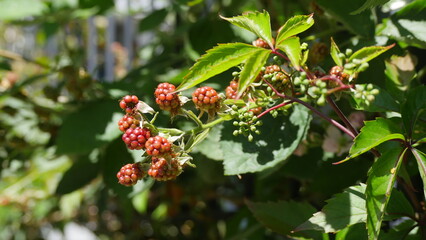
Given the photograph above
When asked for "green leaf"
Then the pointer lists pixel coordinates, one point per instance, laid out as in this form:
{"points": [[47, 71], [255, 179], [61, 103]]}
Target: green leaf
{"points": [[281, 217], [408, 25], [343, 210], [398, 205], [366, 54], [217, 60], [361, 24], [421, 163], [369, 4], [251, 69], [373, 134], [291, 47], [353, 232], [383, 102], [212, 139], [294, 26], [380, 183], [19, 9], [334, 52], [153, 20], [241, 156], [256, 22], [81, 173], [412, 108], [90, 127]]}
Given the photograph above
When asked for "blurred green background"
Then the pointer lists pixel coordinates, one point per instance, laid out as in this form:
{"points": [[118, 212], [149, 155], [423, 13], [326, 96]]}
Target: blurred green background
{"points": [[65, 63]]}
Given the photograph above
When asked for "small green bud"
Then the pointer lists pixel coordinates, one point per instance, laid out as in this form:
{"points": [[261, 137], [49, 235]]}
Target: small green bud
{"points": [[363, 67], [235, 74], [348, 52], [254, 118], [341, 56], [235, 123], [259, 123], [324, 91], [250, 138], [321, 100], [241, 123], [358, 95], [297, 81], [252, 128], [276, 58], [303, 74], [304, 46], [257, 132], [234, 107], [356, 61], [305, 82], [369, 86], [370, 98], [322, 84], [235, 133], [262, 69], [349, 66], [374, 91]]}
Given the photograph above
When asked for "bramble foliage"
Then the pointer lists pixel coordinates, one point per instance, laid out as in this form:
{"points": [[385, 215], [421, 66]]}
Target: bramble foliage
{"points": [[306, 126]]}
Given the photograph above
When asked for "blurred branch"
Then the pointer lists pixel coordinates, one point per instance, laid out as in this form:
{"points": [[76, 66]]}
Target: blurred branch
{"points": [[17, 57]]}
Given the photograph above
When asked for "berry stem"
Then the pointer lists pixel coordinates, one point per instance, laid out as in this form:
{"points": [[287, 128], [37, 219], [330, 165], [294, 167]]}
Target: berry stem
{"points": [[274, 51], [322, 115], [273, 108], [341, 115], [194, 118], [338, 89]]}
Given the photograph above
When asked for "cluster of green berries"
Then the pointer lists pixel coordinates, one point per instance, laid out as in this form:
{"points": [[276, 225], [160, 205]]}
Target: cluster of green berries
{"points": [[246, 121], [366, 93], [275, 75]]}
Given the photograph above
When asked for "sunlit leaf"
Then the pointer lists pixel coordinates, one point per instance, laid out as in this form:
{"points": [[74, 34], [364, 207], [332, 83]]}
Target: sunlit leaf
{"points": [[251, 70], [291, 47], [294, 26]]}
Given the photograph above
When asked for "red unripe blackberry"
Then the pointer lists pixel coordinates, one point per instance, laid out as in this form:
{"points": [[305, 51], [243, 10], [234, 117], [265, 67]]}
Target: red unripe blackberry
{"points": [[163, 170], [157, 145], [231, 90], [165, 98], [135, 138], [206, 98], [128, 103], [260, 43], [130, 173], [128, 121], [337, 71]]}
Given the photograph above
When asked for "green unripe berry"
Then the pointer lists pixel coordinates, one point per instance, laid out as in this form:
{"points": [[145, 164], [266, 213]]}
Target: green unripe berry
{"points": [[374, 91], [349, 66], [369, 86], [321, 100], [250, 138], [252, 128], [297, 81], [356, 61], [370, 98], [257, 132], [235, 123], [348, 52], [235, 133]]}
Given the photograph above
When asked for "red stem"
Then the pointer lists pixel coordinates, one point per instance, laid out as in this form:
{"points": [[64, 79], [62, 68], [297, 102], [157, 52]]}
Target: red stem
{"points": [[322, 115], [273, 108]]}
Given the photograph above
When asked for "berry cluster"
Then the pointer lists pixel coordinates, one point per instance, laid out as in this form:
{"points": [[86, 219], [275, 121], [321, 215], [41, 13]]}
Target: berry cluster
{"points": [[135, 138], [166, 98], [366, 93], [128, 103], [128, 121], [157, 146], [206, 99], [231, 90], [279, 79], [246, 121], [163, 169], [130, 173]]}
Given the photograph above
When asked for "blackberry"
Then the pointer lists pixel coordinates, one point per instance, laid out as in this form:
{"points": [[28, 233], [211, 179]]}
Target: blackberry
{"points": [[128, 121], [130, 173], [128, 103], [166, 99], [135, 138], [206, 99], [163, 170], [231, 90], [156, 146]]}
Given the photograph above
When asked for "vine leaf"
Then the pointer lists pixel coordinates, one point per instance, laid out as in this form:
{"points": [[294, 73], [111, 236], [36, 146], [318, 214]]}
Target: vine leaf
{"points": [[294, 26], [217, 60], [281, 217], [370, 4], [412, 108], [256, 22], [421, 163], [251, 69], [380, 183], [241, 156], [366, 54], [373, 134], [291, 47], [334, 52], [343, 210]]}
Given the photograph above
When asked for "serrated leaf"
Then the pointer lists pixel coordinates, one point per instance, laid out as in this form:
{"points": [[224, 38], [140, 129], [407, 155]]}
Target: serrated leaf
{"points": [[294, 26], [81, 173], [421, 163], [382, 102], [251, 70], [366, 54], [256, 22], [369, 4], [281, 217], [373, 134], [412, 108], [334, 52], [291, 47], [217, 60], [380, 183], [343, 210], [241, 156]]}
